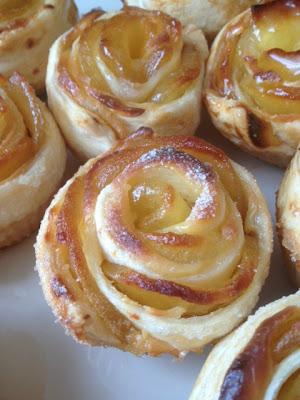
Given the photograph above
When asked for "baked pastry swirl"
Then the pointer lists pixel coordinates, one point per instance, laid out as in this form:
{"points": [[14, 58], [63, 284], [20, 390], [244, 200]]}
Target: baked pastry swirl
{"points": [[159, 246], [288, 217], [252, 88], [32, 159], [113, 73], [208, 15], [27, 30], [260, 360]]}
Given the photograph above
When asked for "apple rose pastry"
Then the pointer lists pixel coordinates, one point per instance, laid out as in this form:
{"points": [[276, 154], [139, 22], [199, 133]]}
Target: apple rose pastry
{"points": [[288, 217], [113, 73], [160, 246], [32, 159], [27, 30], [252, 86], [208, 15], [258, 361]]}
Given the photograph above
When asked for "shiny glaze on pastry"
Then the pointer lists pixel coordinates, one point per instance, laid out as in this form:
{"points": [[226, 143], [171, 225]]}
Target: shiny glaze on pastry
{"points": [[159, 246], [288, 217], [252, 85], [260, 360], [116, 72], [27, 30], [208, 15], [32, 159]]}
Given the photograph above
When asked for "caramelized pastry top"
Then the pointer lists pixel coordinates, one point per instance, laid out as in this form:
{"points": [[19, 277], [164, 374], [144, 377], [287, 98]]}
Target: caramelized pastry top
{"points": [[141, 226], [263, 64], [253, 86], [127, 61]]}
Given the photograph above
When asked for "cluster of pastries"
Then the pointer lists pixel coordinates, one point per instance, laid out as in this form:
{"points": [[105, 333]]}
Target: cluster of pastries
{"points": [[159, 243]]}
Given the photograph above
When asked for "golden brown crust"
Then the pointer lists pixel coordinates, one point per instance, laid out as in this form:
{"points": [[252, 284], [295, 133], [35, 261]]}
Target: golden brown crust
{"points": [[259, 359], [27, 31], [32, 159], [288, 217], [251, 87], [111, 258], [102, 89]]}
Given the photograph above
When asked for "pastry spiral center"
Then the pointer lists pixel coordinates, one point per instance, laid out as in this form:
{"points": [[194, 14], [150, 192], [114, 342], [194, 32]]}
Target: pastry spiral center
{"points": [[138, 47], [163, 215], [162, 199], [135, 55]]}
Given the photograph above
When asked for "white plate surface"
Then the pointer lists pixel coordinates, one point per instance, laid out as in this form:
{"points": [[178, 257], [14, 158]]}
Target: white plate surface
{"points": [[39, 362]]}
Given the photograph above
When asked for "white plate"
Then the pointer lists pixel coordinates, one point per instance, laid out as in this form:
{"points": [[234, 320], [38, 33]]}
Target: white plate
{"points": [[39, 362]]}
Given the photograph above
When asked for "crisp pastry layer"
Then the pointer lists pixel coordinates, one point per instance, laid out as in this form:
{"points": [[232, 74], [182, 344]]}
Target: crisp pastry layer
{"points": [[113, 73], [27, 30], [208, 15], [252, 87], [159, 246], [288, 217], [32, 159], [258, 361]]}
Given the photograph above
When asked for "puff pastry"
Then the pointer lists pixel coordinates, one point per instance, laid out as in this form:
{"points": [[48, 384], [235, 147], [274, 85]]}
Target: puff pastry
{"points": [[27, 30], [288, 217], [32, 159], [160, 246], [208, 15], [116, 72], [260, 360], [252, 88]]}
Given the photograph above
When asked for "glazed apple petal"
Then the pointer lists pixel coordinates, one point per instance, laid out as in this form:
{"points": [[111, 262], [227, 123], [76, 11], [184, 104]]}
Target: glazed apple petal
{"points": [[253, 85]]}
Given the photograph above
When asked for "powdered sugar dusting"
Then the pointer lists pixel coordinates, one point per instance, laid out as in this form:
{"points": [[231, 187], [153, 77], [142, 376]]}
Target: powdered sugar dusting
{"points": [[205, 205], [194, 168]]}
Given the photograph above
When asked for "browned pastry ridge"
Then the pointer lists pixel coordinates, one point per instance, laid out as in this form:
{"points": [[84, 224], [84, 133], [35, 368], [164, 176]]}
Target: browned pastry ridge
{"points": [[161, 245], [115, 72], [252, 88], [260, 360]]}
